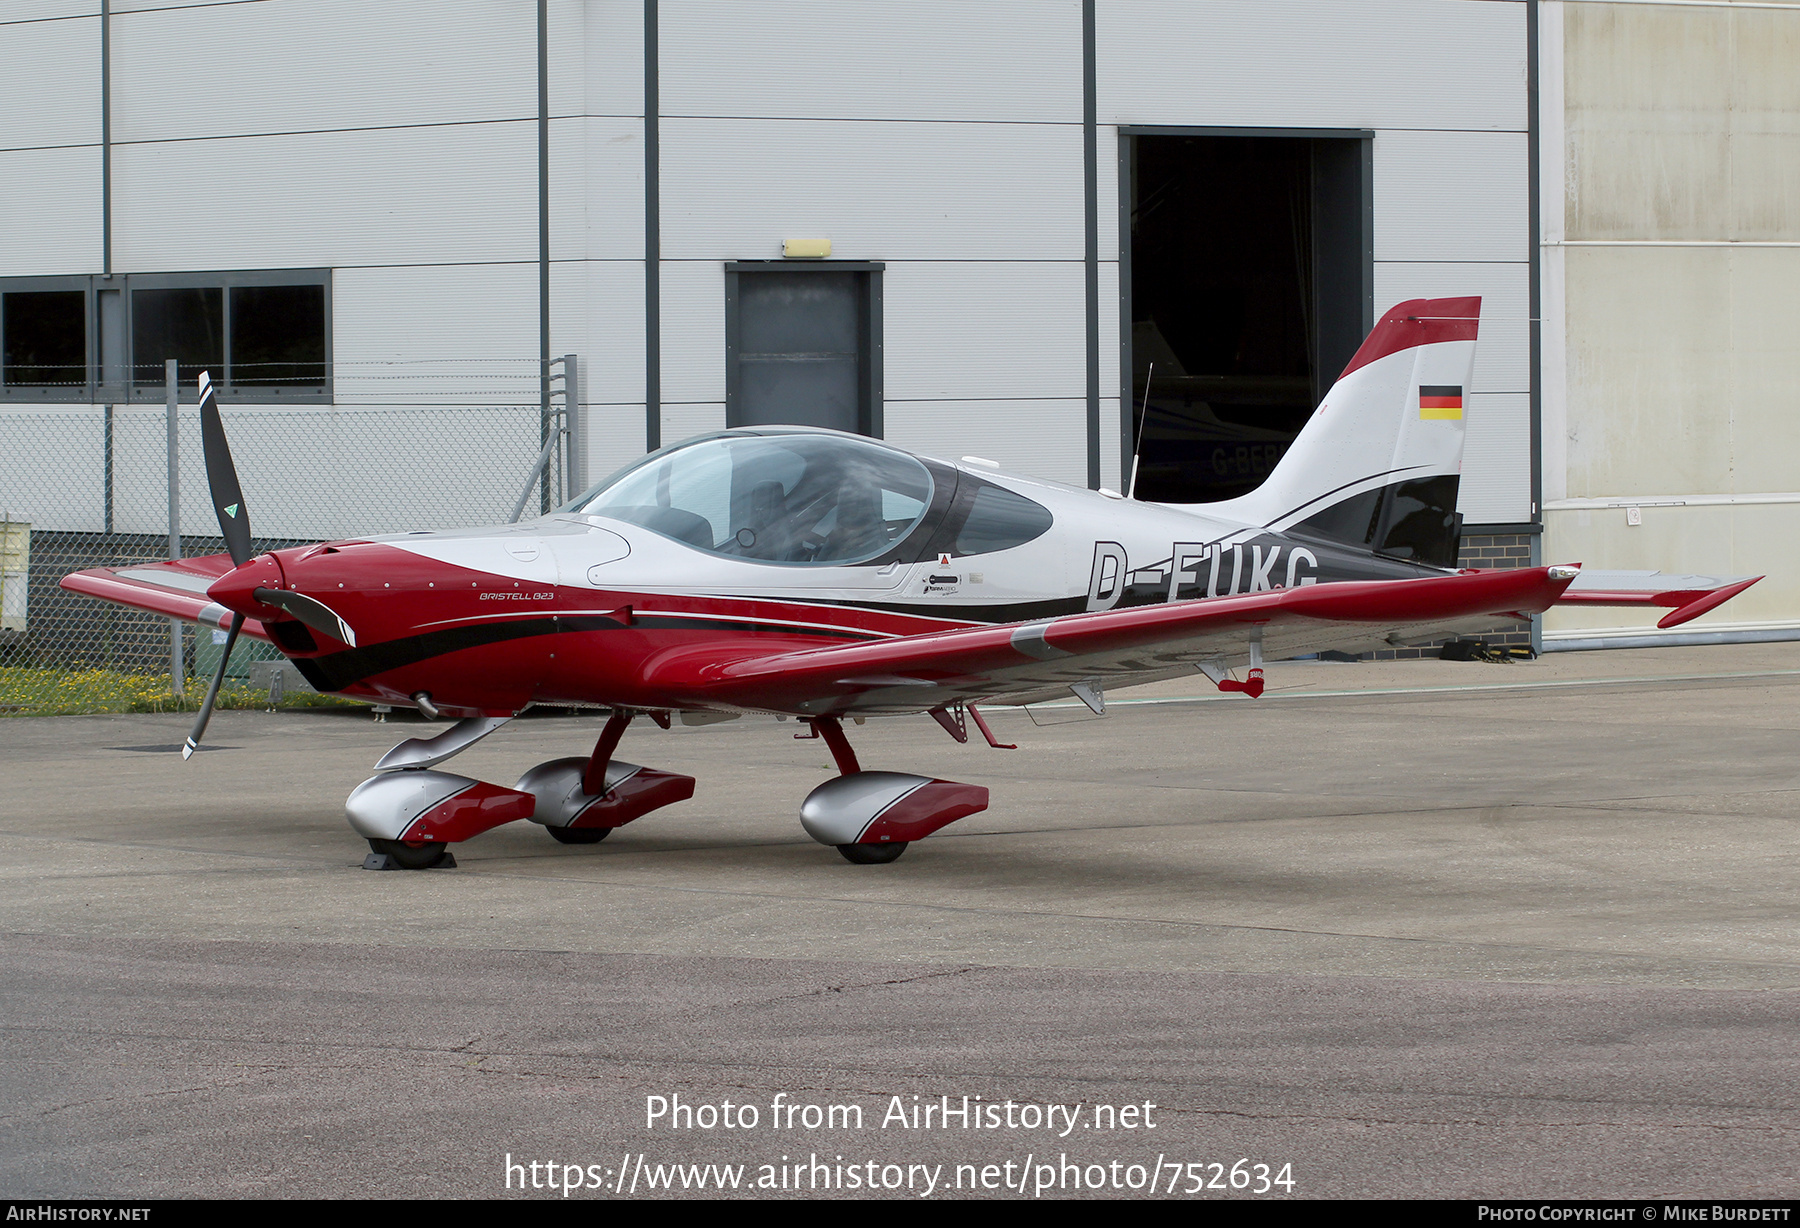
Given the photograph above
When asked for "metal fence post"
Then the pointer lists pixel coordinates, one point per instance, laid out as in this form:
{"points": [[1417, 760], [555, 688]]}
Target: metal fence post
{"points": [[172, 404], [575, 420]]}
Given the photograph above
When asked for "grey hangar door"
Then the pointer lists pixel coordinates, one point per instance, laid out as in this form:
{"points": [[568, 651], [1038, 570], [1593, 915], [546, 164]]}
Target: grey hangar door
{"points": [[803, 344]]}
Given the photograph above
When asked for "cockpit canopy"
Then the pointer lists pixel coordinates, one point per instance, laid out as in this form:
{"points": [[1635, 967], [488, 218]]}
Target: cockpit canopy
{"points": [[811, 499]]}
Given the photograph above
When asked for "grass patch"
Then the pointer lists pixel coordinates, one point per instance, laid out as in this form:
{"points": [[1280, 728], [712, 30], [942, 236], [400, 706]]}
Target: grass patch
{"points": [[59, 692]]}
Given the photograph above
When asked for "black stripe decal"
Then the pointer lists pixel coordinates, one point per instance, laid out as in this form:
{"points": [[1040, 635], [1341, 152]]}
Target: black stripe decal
{"points": [[338, 670]]}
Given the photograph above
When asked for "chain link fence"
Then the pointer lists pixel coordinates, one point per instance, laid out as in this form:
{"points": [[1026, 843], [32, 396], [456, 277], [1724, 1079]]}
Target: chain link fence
{"points": [[90, 486]]}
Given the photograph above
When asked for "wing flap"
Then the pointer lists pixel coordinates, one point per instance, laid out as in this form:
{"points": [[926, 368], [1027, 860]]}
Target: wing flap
{"points": [[174, 589], [997, 663]]}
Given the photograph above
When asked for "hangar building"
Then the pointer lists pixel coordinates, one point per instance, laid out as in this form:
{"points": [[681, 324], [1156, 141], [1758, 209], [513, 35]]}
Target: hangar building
{"points": [[1054, 233]]}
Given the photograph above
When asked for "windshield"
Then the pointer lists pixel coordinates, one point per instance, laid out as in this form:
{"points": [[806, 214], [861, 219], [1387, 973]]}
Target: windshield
{"points": [[810, 499]]}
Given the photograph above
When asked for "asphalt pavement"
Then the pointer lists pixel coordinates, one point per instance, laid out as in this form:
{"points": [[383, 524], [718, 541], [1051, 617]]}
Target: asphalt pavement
{"points": [[1425, 928]]}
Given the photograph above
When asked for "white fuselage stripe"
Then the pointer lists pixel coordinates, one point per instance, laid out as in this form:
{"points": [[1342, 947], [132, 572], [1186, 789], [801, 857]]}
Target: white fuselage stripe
{"points": [[640, 612]]}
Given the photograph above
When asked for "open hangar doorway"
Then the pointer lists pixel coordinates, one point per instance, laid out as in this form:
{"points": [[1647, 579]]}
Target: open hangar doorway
{"points": [[1247, 283]]}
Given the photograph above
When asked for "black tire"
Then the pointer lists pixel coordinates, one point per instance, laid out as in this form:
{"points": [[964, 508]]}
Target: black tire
{"points": [[579, 835], [872, 854], [411, 856]]}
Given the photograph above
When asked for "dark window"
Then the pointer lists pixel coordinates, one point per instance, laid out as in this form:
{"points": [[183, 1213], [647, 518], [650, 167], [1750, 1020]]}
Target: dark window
{"points": [[277, 335], [45, 338], [1414, 520], [1422, 524], [186, 324], [258, 333], [1000, 520]]}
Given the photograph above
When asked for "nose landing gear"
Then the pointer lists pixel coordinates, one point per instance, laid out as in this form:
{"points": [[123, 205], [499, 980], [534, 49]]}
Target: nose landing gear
{"points": [[409, 816], [410, 813]]}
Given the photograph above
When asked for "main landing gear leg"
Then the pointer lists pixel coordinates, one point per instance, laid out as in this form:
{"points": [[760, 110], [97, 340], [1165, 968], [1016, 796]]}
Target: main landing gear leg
{"points": [[580, 801], [870, 817]]}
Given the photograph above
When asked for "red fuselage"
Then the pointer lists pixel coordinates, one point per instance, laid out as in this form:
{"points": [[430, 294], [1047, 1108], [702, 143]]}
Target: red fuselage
{"points": [[482, 643]]}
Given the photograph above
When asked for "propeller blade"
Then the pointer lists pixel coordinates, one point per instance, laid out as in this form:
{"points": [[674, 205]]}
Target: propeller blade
{"points": [[315, 614], [222, 478], [212, 692]]}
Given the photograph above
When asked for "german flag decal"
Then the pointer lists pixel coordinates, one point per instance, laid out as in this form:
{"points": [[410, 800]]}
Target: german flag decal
{"points": [[1441, 401]]}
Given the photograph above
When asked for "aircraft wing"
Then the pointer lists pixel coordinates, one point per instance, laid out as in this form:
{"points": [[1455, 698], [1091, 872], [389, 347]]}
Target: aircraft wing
{"points": [[174, 589], [1028, 662]]}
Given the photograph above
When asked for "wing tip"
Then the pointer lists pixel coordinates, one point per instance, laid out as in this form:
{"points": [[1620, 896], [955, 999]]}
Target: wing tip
{"points": [[1711, 601]]}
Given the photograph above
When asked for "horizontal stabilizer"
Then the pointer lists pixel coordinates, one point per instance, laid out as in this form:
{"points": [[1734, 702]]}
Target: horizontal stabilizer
{"points": [[1686, 597], [174, 589]]}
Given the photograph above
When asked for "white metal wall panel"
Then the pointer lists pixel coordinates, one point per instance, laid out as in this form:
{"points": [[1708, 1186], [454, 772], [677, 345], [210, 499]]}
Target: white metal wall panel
{"points": [[1452, 196], [1017, 60], [610, 41], [250, 68], [681, 422], [434, 321], [1764, 368], [615, 435], [50, 211], [597, 188], [693, 331], [49, 83], [734, 189], [280, 451], [44, 442], [966, 330], [476, 459], [18, 12], [1047, 439], [1503, 351], [1683, 375], [425, 468], [613, 339], [567, 50], [458, 194], [1496, 471], [135, 6], [1314, 63], [140, 461]]}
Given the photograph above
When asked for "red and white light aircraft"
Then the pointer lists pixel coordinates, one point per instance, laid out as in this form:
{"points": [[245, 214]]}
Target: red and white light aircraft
{"points": [[820, 575]]}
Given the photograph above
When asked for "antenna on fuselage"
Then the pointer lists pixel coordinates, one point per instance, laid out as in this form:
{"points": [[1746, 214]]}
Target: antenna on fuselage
{"points": [[1137, 447]]}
